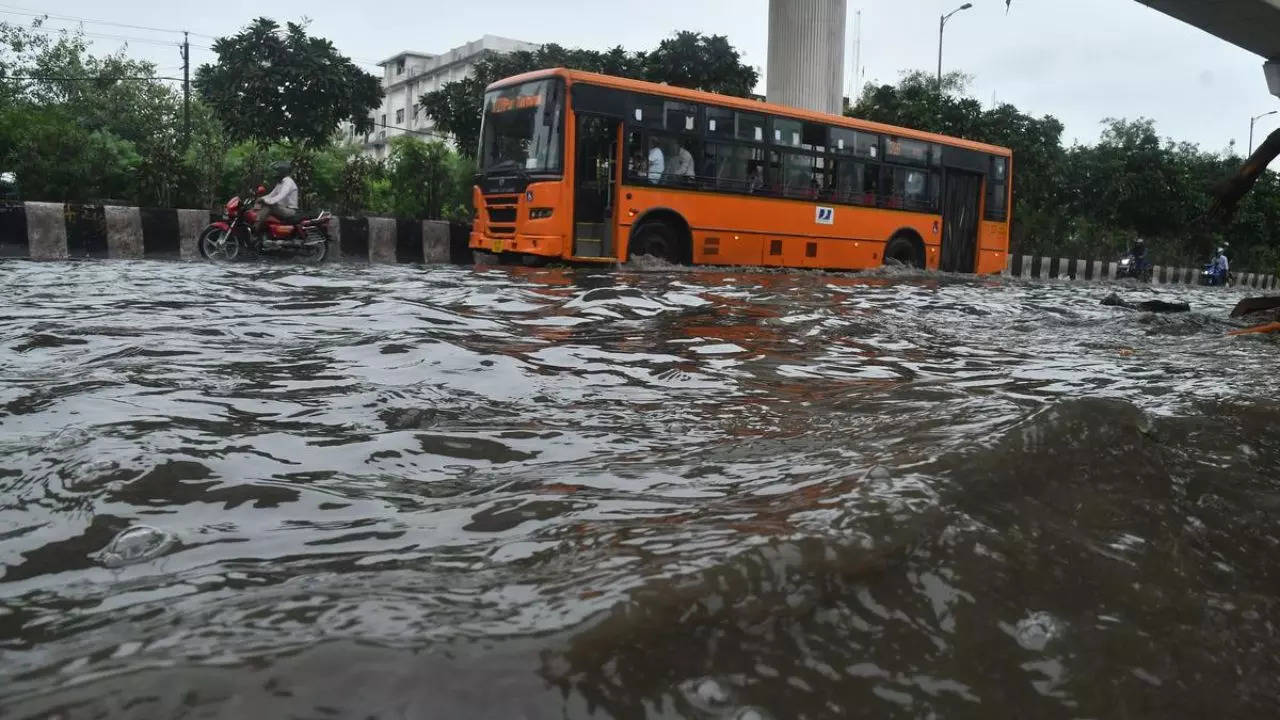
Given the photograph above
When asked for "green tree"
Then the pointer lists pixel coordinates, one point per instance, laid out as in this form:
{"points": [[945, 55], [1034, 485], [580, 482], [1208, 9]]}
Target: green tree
{"points": [[355, 189], [422, 176], [82, 130], [284, 86], [702, 62], [687, 59]]}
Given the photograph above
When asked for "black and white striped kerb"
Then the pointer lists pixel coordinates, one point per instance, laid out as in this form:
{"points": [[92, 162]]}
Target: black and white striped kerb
{"points": [[1052, 268], [54, 231]]}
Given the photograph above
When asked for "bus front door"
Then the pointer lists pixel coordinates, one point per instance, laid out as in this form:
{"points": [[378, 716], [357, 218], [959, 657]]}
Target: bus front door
{"points": [[961, 197], [593, 192]]}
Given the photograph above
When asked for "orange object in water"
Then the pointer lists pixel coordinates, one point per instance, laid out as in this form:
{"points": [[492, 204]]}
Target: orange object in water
{"points": [[1265, 328]]}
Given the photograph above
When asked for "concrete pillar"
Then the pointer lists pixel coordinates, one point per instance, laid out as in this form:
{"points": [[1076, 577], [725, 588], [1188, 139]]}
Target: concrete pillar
{"points": [[806, 54], [1045, 265], [1026, 266], [1156, 271], [382, 240], [124, 232], [1097, 270], [1111, 270], [335, 241], [46, 231], [1008, 263], [190, 225], [435, 242], [1064, 267]]}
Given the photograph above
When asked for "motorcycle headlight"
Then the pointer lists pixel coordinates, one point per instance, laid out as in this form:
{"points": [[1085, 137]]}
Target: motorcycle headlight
{"points": [[1124, 262]]}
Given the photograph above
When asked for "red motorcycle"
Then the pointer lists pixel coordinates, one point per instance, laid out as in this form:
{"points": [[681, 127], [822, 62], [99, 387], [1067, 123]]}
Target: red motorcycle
{"points": [[228, 239]]}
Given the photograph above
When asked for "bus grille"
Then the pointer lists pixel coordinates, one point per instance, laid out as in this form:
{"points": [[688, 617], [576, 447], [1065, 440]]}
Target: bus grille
{"points": [[502, 214], [501, 209]]}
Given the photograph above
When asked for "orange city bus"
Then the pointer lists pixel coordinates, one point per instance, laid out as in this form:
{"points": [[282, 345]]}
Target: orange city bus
{"points": [[591, 168]]}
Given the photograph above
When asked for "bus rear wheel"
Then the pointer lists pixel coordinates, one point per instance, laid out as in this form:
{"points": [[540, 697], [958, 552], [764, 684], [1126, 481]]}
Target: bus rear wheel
{"points": [[901, 250], [655, 239]]}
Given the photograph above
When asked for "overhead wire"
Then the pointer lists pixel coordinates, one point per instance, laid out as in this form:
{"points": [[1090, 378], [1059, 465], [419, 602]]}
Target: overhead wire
{"points": [[51, 32], [431, 133], [17, 10], [30, 12], [87, 78]]}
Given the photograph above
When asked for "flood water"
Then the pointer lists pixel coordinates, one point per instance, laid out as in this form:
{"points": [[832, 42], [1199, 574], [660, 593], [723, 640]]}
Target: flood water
{"points": [[405, 492]]}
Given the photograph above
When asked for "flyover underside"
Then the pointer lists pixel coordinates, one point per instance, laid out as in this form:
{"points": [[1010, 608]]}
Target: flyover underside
{"points": [[1251, 24]]}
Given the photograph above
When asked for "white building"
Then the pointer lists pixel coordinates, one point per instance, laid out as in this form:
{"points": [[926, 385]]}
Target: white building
{"points": [[408, 75]]}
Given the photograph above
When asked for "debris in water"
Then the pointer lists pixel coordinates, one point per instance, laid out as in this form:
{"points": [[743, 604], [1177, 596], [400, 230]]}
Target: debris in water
{"points": [[1264, 328], [1251, 305], [706, 694], [879, 472], [1145, 424], [134, 545], [1157, 306], [69, 437], [1036, 630]]}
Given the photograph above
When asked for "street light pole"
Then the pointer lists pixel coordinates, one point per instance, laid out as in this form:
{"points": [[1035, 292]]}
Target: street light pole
{"points": [[942, 25], [1253, 120]]}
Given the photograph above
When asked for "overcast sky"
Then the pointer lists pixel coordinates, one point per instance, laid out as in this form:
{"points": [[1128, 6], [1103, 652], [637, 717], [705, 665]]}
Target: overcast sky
{"points": [[1080, 60]]}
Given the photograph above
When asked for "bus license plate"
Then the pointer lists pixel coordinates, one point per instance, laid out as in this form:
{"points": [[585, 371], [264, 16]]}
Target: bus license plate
{"points": [[497, 246]]}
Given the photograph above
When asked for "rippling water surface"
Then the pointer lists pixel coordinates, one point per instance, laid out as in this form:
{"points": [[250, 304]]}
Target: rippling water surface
{"points": [[454, 492]]}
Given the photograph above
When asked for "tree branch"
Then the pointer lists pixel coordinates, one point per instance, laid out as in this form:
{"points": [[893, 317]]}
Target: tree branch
{"points": [[1228, 193]]}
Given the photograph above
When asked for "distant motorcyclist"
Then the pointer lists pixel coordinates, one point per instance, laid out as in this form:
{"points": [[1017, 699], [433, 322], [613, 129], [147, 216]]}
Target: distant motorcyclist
{"points": [[1140, 252], [1134, 264], [282, 202], [1221, 264]]}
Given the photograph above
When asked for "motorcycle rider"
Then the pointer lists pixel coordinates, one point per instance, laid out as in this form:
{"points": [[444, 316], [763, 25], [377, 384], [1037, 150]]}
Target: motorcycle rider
{"points": [[282, 202], [1220, 265], [1140, 253]]}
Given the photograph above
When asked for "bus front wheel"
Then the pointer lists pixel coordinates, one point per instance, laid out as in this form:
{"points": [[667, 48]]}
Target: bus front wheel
{"points": [[655, 239], [901, 250]]}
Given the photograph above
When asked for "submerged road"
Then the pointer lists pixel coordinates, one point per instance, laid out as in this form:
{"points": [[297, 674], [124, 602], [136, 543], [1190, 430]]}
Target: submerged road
{"points": [[246, 491]]}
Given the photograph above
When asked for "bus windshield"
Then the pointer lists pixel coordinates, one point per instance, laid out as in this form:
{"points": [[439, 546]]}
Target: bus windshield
{"points": [[523, 128]]}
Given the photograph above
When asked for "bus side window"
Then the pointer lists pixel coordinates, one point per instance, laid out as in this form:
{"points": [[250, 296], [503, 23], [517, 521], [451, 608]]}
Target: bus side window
{"points": [[996, 195], [800, 175], [854, 182], [733, 168], [637, 163]]}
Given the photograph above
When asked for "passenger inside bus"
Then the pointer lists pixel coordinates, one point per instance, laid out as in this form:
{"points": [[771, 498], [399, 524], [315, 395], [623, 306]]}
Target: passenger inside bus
{"points": [[755, 176], [681, 164], [657, 162]]}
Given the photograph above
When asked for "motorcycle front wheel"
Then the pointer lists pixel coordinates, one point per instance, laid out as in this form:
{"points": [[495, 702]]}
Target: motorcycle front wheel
{"points": [[217, 245]]}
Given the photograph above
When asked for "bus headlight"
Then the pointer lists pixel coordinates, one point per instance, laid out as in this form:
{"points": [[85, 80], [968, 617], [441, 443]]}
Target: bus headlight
{"points": [[539, 213]]}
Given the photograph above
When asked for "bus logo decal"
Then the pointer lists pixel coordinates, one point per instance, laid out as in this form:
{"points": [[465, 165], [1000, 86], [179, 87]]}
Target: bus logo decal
{"points": [[824, 215]]}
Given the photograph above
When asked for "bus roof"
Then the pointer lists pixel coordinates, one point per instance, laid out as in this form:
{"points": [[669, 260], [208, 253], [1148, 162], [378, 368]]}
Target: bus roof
{"points": [[747, 105]]}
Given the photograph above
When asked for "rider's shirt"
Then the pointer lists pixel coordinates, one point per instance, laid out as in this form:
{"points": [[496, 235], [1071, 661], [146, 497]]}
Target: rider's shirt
{"points": [[285, 194]]}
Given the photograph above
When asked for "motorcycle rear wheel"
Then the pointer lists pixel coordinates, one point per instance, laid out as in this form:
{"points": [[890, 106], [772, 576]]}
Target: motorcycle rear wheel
{"points": [[315, 254]]}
